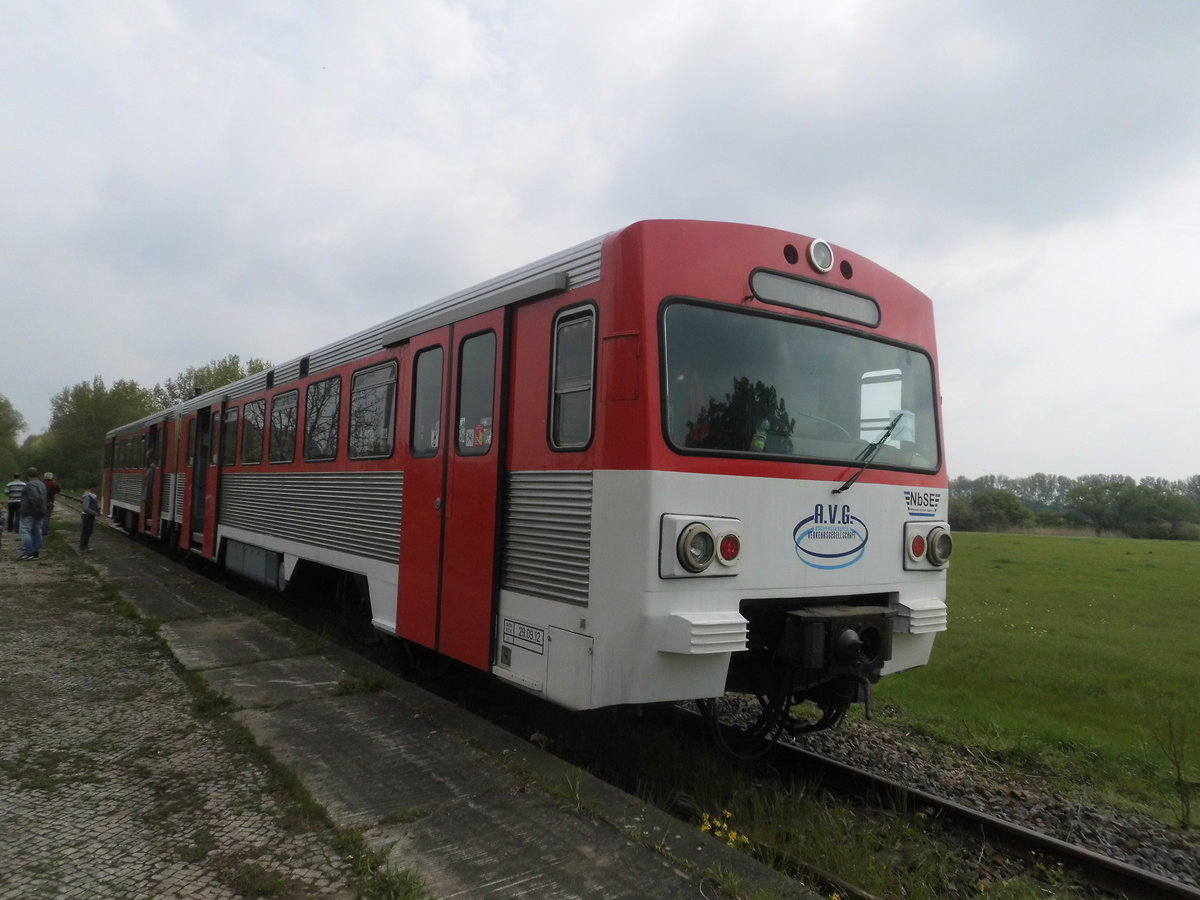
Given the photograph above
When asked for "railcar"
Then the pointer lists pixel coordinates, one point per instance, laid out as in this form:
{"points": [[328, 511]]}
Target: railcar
{"points": [[681, 459]]}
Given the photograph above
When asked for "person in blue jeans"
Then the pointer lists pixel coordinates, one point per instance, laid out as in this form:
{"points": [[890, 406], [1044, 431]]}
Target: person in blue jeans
{"points": [[33, 510]]}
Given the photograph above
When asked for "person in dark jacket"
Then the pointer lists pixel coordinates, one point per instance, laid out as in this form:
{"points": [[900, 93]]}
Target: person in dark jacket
{"points": [[33, 510]]}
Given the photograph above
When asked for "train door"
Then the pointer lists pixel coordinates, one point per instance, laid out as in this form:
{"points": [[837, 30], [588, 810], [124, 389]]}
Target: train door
{"points": [[452, 489], [169, 481], [106, 489], [200, 453], [150, 490]]}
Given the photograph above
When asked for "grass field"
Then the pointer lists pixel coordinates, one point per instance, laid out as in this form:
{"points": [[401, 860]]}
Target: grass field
{"points": [[1065, 656], [1069, 657]]}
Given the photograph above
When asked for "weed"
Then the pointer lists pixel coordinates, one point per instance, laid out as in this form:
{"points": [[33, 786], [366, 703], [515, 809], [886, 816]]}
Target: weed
{"points": [[211, 705], [376, 879], [797, 829], [574, 790], [477, 744], [49, 869], [728, 881], [199, 846], [1171, 734], [722, 829], [360, 682], [249, 879], [48, 770], [568, 792], [308, 643]]}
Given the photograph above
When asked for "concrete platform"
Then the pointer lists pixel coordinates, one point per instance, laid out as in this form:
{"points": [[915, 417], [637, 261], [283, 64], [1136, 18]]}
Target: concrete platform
{"points": [[474, 810]]}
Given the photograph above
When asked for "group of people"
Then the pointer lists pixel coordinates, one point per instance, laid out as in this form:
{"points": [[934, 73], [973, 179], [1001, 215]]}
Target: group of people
{"points": [[31, 504]]}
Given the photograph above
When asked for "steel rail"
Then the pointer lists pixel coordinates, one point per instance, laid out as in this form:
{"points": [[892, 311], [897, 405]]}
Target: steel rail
{"points": [[1106, 872]]}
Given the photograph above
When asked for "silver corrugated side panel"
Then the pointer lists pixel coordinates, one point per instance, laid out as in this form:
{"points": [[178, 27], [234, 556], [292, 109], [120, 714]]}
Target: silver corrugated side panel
{"points": [[548, 535], [353, 512]]}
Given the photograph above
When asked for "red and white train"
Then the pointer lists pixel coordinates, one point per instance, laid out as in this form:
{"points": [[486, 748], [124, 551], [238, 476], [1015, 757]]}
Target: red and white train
{"points": [[680, 459]]}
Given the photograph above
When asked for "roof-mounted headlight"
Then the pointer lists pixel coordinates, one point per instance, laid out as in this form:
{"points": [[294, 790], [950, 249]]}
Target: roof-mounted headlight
{"points": [[820, 255]]}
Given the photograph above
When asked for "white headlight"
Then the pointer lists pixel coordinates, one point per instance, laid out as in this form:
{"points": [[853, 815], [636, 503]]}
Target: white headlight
{"points": [[941, 545], [697, 547]]}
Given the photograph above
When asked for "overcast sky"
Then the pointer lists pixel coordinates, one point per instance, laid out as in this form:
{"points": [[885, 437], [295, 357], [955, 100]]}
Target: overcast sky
{"points": [[185, 180]]}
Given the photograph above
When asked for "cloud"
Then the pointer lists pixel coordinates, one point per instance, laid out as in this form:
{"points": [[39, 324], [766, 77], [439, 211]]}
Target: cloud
{"points": [[186, 181]]}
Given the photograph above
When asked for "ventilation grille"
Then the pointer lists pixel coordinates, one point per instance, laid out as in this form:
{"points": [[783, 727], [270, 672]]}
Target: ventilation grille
{"points": [[127, 488], [354, 512], [177, 509], [921, 616], [548, 535]]}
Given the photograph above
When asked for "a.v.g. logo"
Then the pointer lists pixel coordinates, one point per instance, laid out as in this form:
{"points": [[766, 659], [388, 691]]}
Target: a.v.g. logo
{"points": [[831, 538]]}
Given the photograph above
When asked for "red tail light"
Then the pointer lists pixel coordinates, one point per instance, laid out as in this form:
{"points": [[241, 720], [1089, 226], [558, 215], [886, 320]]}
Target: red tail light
{"points": [[729, 549], [916, 546]]}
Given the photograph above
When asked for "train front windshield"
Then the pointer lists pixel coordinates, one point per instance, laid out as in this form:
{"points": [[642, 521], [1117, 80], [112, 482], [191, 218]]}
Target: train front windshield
{"points": [[743, 383]]}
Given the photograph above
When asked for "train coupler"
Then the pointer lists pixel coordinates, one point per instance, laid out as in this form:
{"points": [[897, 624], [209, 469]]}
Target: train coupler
{"points": [[831, 642], [864, 685]]}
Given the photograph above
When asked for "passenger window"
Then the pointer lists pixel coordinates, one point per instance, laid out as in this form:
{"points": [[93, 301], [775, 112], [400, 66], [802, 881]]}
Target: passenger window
{"points": [[229, 437], [283, 427], [373, 412], [427, 402], [476, 387], [573, 377], [252, 432], [322, 403]]}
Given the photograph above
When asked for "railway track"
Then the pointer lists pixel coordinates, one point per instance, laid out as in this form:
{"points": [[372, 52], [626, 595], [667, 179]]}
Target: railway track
{"points": [[1110, 875]]}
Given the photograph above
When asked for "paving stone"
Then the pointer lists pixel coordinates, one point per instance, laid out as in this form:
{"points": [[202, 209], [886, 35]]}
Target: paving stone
{"points": [[111, 786], [275, 682], [225, 640]]}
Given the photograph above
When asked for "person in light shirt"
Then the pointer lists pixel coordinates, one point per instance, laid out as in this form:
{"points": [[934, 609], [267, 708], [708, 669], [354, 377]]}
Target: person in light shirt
{"points": [[14, 490]]}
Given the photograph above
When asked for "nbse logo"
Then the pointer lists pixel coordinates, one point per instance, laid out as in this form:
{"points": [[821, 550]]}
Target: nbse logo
{"points": [[922, 503]]}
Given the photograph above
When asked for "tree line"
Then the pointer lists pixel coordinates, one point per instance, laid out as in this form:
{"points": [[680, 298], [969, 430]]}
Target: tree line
{"points": [[73, 448], [80, 415], [1150, 508]]}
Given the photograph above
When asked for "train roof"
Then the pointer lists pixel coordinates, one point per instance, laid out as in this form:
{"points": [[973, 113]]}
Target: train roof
{"points": [[568, 269]]}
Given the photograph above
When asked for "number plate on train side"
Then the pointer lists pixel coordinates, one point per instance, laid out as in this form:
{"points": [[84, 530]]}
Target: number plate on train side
{"points": [[524, 636]]}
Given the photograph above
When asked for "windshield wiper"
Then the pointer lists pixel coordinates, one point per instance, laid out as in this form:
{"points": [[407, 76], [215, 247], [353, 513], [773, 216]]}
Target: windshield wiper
{"points": [[868, 452]]}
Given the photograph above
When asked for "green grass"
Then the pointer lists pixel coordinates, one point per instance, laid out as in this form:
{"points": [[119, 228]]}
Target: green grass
{"points": [[802, 831], [376, 879], [1066, 657], [357, 681]]}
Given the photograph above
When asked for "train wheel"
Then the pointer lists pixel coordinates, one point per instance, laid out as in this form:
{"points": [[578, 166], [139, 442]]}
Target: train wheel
{"points": [[354, 609], [401, 653]]}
